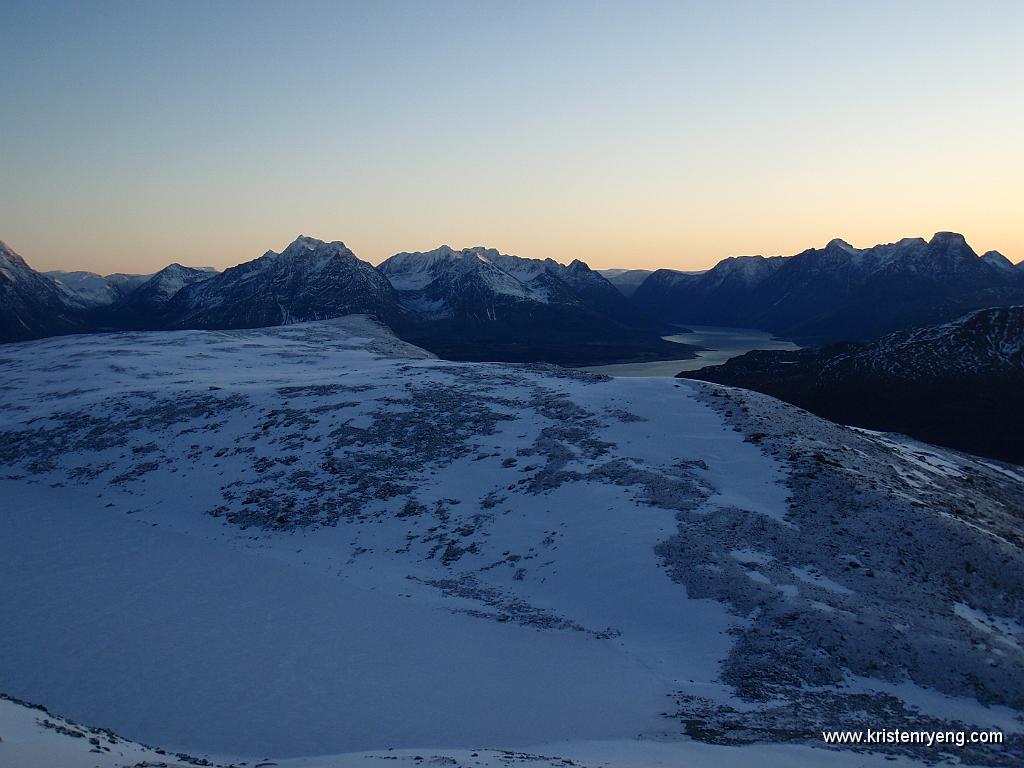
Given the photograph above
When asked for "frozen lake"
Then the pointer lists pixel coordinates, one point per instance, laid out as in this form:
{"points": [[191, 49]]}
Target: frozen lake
{"points": [[721, 344]]}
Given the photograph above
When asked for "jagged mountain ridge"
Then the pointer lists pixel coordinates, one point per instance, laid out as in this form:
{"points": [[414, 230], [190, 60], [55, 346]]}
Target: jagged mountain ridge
{"points": [[481, 283], [308, 280], [838, 292], [477, 303], [146, 306], [957, 384], [480, 304]]}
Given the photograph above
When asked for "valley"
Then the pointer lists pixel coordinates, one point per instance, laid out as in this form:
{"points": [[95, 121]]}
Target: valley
{"points": [[716, 345]]}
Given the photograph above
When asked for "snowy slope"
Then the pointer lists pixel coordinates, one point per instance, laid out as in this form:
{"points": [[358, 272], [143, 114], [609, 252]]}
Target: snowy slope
{"points": [[33, 737], [987, 341], [171, 279], [31, 304], [145, 307], [481, 283], [479, 304], [410, 272], [315, 539], [96, 290]]}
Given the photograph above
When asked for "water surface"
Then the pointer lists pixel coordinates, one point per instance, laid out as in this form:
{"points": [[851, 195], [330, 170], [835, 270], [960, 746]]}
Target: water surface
{"points": [[720, 344]]}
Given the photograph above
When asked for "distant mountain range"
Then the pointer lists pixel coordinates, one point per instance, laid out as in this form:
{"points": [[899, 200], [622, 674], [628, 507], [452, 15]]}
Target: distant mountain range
{"points": [[91, 289], [471, 304], [308, 280], [626, 280], [838, 293], [957, 384], [480, 304]]}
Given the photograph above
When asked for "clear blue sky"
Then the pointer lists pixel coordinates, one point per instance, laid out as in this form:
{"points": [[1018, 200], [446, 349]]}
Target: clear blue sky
{"points": [[626, 134]]}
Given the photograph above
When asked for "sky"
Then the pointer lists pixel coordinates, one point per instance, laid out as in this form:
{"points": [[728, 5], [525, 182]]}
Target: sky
{"points": [[627, 134]]}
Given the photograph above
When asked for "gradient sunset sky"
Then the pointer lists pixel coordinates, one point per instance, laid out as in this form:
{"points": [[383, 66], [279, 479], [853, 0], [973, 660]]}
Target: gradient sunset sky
{"points": [[628, 134]]}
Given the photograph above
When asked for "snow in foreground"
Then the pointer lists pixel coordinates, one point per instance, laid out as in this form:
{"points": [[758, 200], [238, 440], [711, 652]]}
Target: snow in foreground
{"points": [[36, 738], [317, 540]]}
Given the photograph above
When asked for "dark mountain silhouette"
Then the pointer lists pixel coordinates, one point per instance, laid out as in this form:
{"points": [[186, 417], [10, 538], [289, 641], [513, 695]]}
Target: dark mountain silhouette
{"points": [[479, 304], [838, 292], [308, 280], [957, 384], [32, 305]]}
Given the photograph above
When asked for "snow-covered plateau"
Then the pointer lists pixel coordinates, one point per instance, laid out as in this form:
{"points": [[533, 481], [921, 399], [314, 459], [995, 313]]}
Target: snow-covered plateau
{"points": [[315, 545]]}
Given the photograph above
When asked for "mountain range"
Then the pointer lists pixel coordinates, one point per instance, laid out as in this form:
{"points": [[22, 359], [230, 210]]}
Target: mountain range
{"points": [[626, 280], [957, 384], [479, 304], [308, 280], [474, 303], [838, 293], [91, 289]]}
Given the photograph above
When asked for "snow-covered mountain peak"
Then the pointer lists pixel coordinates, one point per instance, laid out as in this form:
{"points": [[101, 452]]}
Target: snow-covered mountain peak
{"points": [[907, 242], [997, 260], [307, 241], [171, 279], [482, 251], [746, 269], [832, 293], [304, 246], [16, 272], [32, 304], [309, 280], [482, 285], [418, 270], [581, 268], [96, 290], [951, 244], [838, 244], [948, 237], [11, 264]]}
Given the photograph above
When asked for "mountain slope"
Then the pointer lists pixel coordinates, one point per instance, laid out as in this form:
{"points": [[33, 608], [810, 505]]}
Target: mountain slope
{"points": [[838, 292], [626, 280], [482, 284], [479, 304], [724, 295], [308, 280], [145, 307], [94, 290], [956, 384], [32, 305], [371, 548]]}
